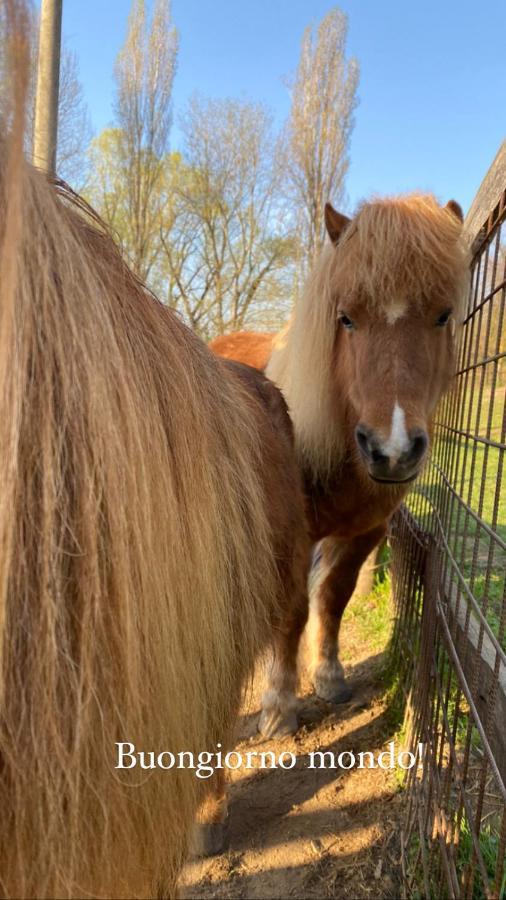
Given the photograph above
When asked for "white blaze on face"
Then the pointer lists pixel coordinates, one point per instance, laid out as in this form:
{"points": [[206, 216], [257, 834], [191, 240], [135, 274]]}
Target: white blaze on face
{"points": [[394, 312], [398, 441]]}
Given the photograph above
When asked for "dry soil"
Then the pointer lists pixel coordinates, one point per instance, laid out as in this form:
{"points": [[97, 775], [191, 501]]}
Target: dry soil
{"points": [[313, 833]]}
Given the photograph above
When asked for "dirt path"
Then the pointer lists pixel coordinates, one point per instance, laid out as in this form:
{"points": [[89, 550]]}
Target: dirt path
{"points": [[313, 832]]}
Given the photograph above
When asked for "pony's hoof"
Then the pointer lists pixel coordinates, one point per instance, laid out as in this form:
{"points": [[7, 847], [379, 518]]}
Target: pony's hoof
{"points": [[332, 688], [212, 838], [274, 722]]}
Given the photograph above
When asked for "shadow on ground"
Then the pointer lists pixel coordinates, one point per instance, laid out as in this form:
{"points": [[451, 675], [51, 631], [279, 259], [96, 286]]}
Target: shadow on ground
{"points": [[313, 832]]}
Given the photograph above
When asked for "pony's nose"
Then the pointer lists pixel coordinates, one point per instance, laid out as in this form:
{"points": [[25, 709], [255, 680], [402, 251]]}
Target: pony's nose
{"points": [[385, 465]]}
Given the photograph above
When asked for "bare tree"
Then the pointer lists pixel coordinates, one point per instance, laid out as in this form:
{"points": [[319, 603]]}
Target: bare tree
{"points": [[144, 73], [319, 127], [74, 126], [225, 249]]}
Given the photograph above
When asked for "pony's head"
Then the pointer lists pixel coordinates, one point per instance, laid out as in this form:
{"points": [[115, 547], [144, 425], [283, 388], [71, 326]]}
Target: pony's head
{"points": [[371, 346], [398, 271]]}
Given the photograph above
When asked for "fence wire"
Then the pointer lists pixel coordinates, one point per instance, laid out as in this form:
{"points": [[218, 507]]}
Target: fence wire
{"points": [[449, 564]]}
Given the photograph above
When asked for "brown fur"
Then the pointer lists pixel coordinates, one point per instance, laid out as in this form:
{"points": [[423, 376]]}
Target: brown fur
{"points": [[151, 532], [250, 347], [392, 270]]}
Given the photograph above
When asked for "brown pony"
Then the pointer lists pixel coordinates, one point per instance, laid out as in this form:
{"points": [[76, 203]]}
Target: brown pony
{"points": [[151, 533], [367, 355]]}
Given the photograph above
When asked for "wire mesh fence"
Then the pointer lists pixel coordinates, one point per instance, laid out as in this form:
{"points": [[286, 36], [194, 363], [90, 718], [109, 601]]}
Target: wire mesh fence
{"points": [[449, 566]]}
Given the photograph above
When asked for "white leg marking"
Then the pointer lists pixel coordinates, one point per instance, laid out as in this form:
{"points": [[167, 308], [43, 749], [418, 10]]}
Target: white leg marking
{"points": [[322, 646], [398, 441], [327, 671]]}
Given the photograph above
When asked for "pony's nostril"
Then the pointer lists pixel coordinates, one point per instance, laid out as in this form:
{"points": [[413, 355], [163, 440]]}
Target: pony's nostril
{"points": [[419, 444], [368, 445], [362, 438]]}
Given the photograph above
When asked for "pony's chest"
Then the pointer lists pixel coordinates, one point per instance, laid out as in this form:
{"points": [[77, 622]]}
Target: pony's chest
{"points": [[347, 507]]}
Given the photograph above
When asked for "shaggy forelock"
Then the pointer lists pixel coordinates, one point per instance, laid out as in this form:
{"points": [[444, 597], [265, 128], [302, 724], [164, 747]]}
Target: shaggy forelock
{"points": [[402, 249]]}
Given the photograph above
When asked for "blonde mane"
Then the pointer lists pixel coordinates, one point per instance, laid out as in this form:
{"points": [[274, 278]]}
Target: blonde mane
{"points": [[136, 564], [396, 249]]}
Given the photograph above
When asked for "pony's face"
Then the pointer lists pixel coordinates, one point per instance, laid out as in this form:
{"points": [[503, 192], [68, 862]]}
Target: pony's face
{"points": [[397, 359], [397, 369]]}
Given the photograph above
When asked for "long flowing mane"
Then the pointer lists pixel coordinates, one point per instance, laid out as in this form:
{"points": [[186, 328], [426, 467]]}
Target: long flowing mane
{"points": [[134, 549], [393, 250]]}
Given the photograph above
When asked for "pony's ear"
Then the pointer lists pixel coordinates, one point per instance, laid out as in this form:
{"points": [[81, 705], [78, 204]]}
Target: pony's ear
{"points": [[335, 223], [456, 209]]}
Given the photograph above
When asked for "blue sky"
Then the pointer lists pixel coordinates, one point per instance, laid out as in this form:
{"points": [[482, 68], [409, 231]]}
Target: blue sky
{"points": [[432, 92]]}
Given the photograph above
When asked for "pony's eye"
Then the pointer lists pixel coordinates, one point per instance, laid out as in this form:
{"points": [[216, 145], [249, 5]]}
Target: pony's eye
{"points": [[443, 318], [346, 321]]}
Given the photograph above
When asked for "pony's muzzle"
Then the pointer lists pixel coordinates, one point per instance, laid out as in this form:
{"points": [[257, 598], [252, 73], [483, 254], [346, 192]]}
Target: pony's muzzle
{"points": [[386, 465]]}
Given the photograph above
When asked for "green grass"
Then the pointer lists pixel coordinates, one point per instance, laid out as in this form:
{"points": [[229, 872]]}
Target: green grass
{"points": [[463, 857], [372, 615], [476, 472], [489, 847]]}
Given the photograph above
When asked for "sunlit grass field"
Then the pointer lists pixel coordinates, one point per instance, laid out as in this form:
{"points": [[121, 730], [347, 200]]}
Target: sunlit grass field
{"points": [[461, 499]]}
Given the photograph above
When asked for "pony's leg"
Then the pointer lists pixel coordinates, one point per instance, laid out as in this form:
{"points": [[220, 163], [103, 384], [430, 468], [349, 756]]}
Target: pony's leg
{"points": [[279, 703], [213, 816], [341, 561]]}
